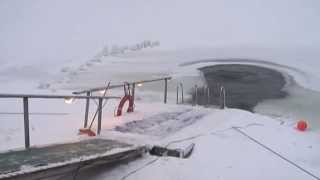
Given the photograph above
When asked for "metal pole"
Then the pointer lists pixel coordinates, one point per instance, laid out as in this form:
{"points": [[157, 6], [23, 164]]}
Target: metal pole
{"points": [[99, 115], [165, 90], [208, 95], [26, 122], [222, 97], [87, 110], [177, 94], [204, 97], [196, 94], [133, 90], [182, 100]]}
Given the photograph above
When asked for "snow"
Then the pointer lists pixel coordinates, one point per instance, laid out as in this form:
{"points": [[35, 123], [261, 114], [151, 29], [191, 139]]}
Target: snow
{"points": [[223, 153], [42, 51], [220, 151]]}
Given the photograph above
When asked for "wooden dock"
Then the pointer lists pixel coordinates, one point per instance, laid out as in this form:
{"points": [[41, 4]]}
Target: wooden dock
{"points": [[57, 160]]}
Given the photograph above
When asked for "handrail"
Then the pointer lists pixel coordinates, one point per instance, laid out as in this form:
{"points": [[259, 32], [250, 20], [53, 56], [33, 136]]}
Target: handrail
{"points": [[26, 97], [120, 85], [46, 96]]}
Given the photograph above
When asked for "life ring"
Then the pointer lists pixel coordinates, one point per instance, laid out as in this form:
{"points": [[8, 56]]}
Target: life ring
{"points": [[122, 102]]}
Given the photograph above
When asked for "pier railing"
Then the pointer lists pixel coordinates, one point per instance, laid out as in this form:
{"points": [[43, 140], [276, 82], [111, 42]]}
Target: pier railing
{"points": [[25, 101], [206, 93], [89, 92]]}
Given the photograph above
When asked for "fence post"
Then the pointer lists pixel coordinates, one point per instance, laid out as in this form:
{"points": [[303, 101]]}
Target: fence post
{"points": [[87, 110], [99, 115], [26, 122], [165, 90]]}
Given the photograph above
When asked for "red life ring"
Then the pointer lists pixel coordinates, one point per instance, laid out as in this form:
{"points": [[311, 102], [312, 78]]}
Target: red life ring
{"points": [[122, 102]]}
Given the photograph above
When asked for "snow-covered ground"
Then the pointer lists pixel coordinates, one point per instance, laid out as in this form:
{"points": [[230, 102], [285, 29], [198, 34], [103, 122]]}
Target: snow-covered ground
{"points": [[222, 152], [60, 53]]}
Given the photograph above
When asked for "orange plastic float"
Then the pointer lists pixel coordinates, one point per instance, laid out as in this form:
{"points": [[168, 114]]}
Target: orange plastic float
{"points": [[302, 125]]}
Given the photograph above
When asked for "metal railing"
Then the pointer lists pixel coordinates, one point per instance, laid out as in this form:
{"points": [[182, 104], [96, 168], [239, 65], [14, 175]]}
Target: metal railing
{"points": [[180, 86], [222, 97], [26, 97], [207, 93], [89, 92], [121, 85]]}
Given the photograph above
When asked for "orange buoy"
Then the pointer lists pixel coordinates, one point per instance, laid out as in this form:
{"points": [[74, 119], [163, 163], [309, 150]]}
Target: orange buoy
{"points": [[302, 125]]}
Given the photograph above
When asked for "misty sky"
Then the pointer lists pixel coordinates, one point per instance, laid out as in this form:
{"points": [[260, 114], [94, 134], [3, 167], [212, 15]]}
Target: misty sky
{"points": [[60, 30]]}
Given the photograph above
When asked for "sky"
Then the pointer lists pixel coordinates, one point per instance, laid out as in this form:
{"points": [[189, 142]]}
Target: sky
{"points": [[37, 32]]}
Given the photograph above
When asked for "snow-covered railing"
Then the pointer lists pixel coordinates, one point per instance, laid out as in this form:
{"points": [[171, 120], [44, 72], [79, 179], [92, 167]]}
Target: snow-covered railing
{"points": [[67, 98]]}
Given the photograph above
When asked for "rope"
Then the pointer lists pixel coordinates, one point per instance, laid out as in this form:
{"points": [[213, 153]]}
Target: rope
{"points": [[221, 131], [140, 168], [276, 153], [178, 141], [156, 159]]}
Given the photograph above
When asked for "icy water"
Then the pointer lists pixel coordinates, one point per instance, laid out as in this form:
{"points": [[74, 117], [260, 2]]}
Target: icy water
{"points": [[263, 90], [246, 85], [300, 103]]}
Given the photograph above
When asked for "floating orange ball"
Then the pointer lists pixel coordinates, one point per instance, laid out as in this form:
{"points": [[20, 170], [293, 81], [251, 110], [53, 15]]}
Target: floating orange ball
{"points": [[302, 125]]}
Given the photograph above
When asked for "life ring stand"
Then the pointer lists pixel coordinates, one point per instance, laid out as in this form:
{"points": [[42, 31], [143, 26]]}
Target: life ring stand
{"points": [[128, 96]]}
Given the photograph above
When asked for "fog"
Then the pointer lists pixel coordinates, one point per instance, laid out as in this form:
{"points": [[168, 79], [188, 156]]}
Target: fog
{"points": [[50, 33]]}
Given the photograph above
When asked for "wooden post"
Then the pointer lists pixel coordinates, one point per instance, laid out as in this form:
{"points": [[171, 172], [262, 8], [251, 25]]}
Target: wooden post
{"points": [[99, 115], [165, 90], [87, 110], [26, 122]]}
